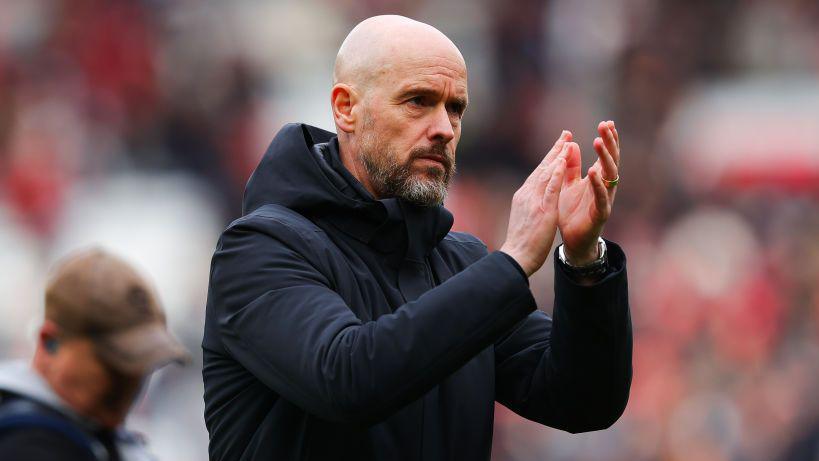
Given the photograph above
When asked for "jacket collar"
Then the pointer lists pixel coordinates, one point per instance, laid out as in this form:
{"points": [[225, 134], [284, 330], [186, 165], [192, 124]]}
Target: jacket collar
{"points": [[18, 377], [391, 226]]}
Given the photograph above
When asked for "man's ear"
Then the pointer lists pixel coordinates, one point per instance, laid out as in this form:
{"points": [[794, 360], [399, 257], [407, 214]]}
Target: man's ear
{"points": [[48, 337], [343, 99], [47, 347]]}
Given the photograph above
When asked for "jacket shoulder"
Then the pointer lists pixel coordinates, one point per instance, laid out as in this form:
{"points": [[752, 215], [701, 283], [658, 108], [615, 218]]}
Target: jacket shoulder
{"points": [[279, 222], [463, 239], [276, 228]]}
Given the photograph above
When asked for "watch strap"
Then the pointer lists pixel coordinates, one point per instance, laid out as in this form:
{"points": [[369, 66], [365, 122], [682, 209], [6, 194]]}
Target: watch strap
{"points": [[594, 269]]}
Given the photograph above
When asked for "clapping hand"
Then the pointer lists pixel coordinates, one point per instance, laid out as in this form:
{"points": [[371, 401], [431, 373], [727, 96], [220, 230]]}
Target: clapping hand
{"points": [[556, 196], [586, 202], [534, 215]]}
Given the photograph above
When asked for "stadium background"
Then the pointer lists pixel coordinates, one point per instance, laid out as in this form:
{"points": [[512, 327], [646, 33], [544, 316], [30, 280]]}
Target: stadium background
{"points": [[135, 124]]}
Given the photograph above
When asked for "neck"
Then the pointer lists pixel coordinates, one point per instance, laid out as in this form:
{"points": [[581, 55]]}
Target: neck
{"points": [[349, 158]]}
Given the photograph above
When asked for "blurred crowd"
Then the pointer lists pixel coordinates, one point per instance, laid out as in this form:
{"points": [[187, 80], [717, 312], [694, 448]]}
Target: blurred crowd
{"points": [[135, 124]]}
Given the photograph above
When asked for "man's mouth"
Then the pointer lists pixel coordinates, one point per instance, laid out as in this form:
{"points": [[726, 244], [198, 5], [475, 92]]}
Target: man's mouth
{"points": [[441, 160]]}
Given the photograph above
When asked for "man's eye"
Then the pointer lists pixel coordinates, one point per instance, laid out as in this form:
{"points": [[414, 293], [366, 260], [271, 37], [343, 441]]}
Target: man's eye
{"points": [[417, 101], [456, 110]]}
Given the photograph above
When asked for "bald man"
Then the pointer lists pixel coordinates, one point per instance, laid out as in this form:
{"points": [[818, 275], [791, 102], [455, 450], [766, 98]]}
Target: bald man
{"points": [[345, 321]]}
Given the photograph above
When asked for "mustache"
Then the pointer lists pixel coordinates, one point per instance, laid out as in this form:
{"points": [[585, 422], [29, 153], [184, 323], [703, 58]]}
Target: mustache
{"points": [[437, 152]]}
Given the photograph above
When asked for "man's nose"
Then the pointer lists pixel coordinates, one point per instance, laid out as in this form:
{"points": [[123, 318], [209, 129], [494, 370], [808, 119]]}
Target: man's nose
{"points": [[440, 128]]}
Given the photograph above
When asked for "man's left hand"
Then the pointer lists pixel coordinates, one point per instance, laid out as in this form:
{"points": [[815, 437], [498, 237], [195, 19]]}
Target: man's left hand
{"points": [[585, 203]]}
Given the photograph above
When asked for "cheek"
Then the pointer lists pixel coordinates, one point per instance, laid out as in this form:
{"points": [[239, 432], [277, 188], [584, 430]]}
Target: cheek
{"points": [[453, 145], [392, 138], [85, 379]]}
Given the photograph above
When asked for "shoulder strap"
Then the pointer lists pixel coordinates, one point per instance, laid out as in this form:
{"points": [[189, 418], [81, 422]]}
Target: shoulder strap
{"points": [[21, 413]]}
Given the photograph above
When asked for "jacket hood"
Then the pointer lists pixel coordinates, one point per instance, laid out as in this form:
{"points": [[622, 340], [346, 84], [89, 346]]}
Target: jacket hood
{"points": [[302, 171], [294, 174]]}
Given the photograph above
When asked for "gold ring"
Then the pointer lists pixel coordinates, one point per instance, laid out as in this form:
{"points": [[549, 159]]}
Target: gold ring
{"points": [[611, 183]]}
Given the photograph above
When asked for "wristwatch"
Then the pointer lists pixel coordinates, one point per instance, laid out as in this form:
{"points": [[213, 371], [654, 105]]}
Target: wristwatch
{"points": [[594, 269]]}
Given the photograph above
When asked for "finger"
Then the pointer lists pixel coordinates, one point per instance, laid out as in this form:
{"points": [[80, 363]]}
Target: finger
{"points": [[616, 138], [601, 195], [609, 168], [574, 162], [543, 177], [552, 192], [546, 173], [565, 136], [562, 154], [599, 170], [606, 134]]}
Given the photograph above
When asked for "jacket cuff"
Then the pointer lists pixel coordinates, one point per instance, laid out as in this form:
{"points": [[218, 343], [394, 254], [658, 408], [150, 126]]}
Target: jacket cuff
{"points": [[517, 266], [513, 279], [609, 294]]}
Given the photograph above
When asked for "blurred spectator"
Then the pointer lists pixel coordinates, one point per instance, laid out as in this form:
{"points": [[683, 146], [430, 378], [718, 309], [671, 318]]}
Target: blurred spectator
{"points": [[104, 333]]}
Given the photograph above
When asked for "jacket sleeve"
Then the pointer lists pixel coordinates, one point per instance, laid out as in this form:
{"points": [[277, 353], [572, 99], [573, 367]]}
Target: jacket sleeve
{"points": [[574, 372], [280, 318]]}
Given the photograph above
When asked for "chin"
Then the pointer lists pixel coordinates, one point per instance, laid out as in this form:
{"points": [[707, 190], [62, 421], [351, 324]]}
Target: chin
{"points": [[431, 173], [112, 421]]}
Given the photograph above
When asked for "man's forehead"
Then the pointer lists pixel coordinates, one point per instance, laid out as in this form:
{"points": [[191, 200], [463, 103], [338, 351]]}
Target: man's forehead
{"points": [[447, 64], [435, 83], [432, 72]]}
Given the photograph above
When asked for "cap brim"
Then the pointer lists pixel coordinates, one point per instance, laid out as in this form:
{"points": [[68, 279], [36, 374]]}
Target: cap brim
{"points": [[141, 350]]}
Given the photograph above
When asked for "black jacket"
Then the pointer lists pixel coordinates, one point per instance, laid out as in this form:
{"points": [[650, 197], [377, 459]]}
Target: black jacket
{"points": [[340, 327]]}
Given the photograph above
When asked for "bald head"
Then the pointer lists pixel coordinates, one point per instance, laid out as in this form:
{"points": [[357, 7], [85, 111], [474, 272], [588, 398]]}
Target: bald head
{"points": [[398, 96], [378, 44]]}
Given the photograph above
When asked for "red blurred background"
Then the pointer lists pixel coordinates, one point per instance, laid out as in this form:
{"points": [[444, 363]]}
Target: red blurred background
{"points": [[135, 124]]}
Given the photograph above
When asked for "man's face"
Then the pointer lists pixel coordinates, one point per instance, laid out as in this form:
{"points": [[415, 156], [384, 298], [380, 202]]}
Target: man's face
{"points": [[411, 127], [90, 386]]}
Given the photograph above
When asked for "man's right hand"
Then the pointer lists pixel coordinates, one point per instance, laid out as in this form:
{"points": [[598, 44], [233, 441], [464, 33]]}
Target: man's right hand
{"points": [[533, 218]]}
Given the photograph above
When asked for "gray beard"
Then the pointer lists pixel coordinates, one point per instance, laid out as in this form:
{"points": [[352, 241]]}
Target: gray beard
{"points": [[389, 178], [392, 179]]}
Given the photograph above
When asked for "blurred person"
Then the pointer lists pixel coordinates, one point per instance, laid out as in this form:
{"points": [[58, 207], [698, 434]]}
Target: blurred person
{"points": [[344, 319], [103, 334]]}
